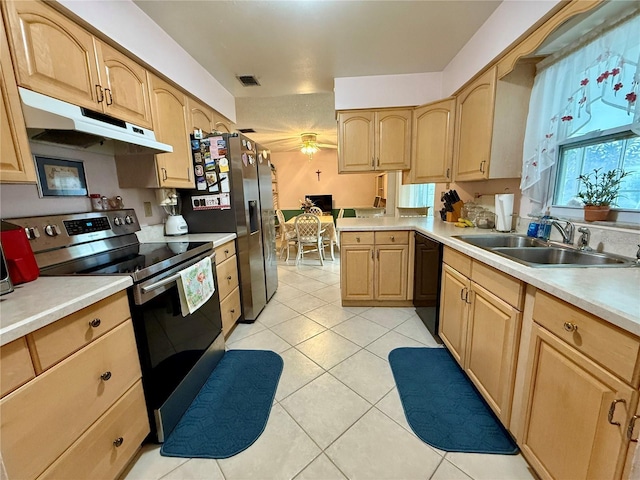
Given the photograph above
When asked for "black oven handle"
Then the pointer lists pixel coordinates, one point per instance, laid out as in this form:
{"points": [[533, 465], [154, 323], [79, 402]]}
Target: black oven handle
{"points": [[169, 279]]}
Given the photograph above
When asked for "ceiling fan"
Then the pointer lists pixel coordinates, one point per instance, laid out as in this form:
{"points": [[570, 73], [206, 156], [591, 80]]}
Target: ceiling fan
{"points": [[279, 123]]}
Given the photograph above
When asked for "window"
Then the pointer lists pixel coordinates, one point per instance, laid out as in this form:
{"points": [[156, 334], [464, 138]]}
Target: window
{"points": [[582, 156], [418, 195]]}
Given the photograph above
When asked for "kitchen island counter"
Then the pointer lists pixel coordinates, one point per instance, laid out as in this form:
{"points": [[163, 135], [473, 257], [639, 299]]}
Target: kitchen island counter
{"points": [[36, 304], [609, 293]]}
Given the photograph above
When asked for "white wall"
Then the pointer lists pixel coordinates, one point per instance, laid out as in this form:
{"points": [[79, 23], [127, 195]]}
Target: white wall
{"points": [[508, 22], [100, 169], [379, 91], [126, 24]]}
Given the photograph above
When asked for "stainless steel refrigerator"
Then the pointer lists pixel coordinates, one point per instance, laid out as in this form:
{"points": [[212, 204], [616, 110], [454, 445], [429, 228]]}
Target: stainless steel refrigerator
{"points": [[268, 219], [227, 199]]}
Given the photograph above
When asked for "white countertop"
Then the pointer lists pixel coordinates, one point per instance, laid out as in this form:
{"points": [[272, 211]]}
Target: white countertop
{"points": [[610, 293], [36, 304]]}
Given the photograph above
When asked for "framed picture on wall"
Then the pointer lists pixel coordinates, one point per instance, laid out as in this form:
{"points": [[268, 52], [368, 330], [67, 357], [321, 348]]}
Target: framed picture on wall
{"points": [[60, 178]]}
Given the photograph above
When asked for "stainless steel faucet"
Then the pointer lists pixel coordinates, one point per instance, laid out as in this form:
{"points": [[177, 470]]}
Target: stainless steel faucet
{"points": [[567, 231], [583, 241]]}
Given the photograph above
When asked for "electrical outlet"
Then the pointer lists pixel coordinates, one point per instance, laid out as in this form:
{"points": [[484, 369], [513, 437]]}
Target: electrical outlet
{"points": [[147, 209]]}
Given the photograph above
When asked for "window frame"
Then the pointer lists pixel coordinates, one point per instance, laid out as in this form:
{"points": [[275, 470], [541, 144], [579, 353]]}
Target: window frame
{"points": [[620, 215]]}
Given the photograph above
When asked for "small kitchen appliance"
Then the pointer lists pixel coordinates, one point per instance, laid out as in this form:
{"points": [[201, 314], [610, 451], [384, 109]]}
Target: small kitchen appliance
{"points": [[18, 255], [5, 281], [175, 223]]}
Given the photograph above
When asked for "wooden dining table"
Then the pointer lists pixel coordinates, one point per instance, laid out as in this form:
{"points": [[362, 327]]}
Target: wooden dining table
{"points": [[326, 224]]}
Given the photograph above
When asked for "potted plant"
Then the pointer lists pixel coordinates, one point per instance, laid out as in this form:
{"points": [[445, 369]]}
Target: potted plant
{"points": [[599, 190], [306, 205]]}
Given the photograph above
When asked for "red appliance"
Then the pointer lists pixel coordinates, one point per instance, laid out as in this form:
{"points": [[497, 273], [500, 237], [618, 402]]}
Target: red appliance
{"points": [[18, 254]]}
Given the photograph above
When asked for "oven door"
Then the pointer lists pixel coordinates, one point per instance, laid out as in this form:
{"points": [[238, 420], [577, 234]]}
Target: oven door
{"points": [[177, 353]]}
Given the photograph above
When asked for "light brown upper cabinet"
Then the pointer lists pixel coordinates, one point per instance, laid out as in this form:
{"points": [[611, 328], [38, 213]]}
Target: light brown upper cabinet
{"points": [[58, 58], [171, 114], [16, 164], [201, 117], [371, 140], [491, 115], [221, 124], [432, 143], [125, 86]]}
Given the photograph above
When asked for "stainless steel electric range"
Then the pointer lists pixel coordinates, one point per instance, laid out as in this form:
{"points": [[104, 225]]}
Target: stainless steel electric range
{"points": [[177, 353]]}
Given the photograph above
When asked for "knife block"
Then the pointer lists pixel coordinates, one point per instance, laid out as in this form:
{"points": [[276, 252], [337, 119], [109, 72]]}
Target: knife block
{"points": [[455, 215]]}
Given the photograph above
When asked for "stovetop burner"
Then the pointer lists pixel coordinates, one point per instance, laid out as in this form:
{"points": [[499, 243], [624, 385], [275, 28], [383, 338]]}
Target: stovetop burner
{"points": [[139, 261]]}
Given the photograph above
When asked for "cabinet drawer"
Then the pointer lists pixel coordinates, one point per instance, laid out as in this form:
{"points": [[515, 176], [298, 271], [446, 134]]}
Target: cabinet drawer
{"points": [[15, 366], [457, 260], [94, 454], [227, 274], [608, 345], [356, 238], [500, 284], [225, 251], [69, 334], [392, 238], [230, 310], [49, 413]]}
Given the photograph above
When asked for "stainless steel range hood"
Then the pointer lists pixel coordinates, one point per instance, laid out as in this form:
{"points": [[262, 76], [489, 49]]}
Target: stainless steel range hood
{"points": [[69, 124]]}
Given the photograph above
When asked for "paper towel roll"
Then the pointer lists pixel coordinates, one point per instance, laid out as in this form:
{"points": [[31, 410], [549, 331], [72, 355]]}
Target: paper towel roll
{"points": [[504, 211]]}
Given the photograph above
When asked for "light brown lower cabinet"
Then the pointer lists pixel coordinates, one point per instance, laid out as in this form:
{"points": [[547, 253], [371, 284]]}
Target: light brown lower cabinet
{"points": [[228, 285], [83, 413], [480, 325], [375, 268], [576, 413]]}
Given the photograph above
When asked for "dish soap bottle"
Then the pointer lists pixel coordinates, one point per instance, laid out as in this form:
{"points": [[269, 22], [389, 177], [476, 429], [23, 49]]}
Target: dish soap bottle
{"points": [[544, 230]]}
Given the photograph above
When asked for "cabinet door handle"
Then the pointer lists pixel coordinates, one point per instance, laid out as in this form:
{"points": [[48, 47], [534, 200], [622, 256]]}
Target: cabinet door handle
{"points": [[233, 310], [377, 161], [371, 254], [164, 174], [109, 96], [612, 410], [632, 425], [188, 174], [99, 94], [570, 327], [373, 161], [358, 239], [95, 323], [228, 277], [463, 296], [105, 376], [482, 166], [466, 296], [226, 251], [118, 441], [393, 238], [378, 254], [448, 172]]}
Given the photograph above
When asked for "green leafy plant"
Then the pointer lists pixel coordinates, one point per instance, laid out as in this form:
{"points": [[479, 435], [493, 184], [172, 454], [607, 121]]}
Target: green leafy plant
{"points": [[601, 189]]}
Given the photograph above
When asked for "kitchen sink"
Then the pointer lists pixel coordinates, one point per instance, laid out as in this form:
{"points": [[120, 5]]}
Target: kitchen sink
{"points": [[538, 253], [491, 241], [557, 256]]}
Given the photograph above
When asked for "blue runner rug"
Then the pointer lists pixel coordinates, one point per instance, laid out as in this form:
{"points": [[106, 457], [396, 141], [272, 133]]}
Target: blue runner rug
{"points": [[442, 406], [231, 410]]}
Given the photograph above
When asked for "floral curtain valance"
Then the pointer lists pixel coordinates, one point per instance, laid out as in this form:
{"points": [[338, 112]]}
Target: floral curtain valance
{"points": [[596, 87]]}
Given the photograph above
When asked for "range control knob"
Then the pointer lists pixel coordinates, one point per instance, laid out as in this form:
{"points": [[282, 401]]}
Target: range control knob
{"points": [[32, 233], [129, 220], [52, 230], [118, 221]]}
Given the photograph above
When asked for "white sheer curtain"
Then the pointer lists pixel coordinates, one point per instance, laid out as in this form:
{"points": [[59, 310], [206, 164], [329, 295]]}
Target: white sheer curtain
{"points": [[593, 87]]}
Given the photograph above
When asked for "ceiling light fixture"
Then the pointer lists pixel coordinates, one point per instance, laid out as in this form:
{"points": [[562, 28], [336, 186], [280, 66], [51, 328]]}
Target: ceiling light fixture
{"points": [[309, 144]]}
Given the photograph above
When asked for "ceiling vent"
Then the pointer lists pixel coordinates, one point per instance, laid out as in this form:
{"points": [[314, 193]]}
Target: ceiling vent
{"points": [[246, 130], [248, 80]]}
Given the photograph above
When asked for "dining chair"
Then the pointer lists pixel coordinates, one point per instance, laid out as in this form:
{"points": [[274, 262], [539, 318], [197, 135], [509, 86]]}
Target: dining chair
{"points": [[287, 236], [308, 233], [317, 211]]}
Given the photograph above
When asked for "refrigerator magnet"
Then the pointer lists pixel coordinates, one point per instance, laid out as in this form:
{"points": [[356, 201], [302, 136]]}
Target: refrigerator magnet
{"points": [[201, 184], [223, 164], [199, 171], [245, 159]]}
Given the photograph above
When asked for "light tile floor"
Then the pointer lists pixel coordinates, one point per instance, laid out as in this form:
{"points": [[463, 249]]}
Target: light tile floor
{"points": [[337, 413]]}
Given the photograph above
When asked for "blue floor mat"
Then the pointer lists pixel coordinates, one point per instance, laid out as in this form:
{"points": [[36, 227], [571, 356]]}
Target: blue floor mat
{"points": [[443, 407], [231, 410]]}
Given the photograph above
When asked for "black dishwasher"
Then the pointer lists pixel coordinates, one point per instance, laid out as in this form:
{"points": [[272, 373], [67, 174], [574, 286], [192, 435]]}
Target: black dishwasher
{"points": [[426, 287]]}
